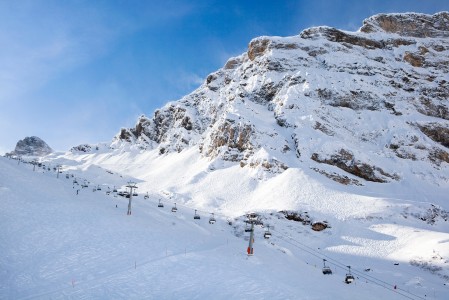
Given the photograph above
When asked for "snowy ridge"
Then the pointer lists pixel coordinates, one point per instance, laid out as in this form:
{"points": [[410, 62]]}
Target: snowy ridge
{"points": [[369, 103]]}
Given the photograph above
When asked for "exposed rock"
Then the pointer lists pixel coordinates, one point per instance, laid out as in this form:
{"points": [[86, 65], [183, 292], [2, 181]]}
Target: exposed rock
{"points": [[410, 24], [319, 226], [31, 146], [230, 136], [438, 156], [335, 35], [305, 219], [345, 160], [232, 63], [437, 132], [84, 148], [414, 59], [345, 180], [257, 47]]}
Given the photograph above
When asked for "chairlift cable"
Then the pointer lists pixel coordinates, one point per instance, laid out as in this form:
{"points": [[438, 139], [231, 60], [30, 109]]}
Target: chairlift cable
{"points": [[340, 265]]}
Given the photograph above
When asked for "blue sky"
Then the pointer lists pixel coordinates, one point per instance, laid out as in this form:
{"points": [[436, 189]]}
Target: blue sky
{"points": [[75, 72]]}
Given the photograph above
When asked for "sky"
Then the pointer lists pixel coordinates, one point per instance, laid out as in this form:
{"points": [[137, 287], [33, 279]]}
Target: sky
{"points": [[75, 71]]}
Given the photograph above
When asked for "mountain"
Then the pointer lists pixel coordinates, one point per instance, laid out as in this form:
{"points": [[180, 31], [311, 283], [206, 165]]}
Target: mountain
{"points": [[370, 104], [326, 117], [31, 146], [338, 140]]}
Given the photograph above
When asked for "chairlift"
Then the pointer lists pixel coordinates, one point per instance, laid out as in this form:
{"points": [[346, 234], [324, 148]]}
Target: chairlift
{"points": [[98, 188], [114, 190], [251, 216], [247, 227], [349, 278], [74, 181], [174, 209], [212, 219], [67, 176], [267, 233], [146, 196], [326, 269], [160, 204], [196, 216]]}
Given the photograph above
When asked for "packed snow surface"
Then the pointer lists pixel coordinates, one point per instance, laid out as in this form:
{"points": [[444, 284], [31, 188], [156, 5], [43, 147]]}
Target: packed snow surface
{"points": [[62, 241]]}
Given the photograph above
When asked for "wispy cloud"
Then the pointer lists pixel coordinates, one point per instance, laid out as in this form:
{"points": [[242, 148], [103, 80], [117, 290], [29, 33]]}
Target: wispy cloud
{"points": [[43, 41]]}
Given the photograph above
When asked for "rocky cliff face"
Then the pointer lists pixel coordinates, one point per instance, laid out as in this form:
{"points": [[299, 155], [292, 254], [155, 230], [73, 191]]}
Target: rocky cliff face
{"points": [[31, 146], [370, 105]]}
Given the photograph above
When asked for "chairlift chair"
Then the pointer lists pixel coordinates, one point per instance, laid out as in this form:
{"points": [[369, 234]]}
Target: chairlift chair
{"points": [[267, 233], [98, 188], [160, 204], [196, 216], [326, 269], [67, 176], [212, 219], [146, 196], [114, 190], [349, 277], [174, 209]]}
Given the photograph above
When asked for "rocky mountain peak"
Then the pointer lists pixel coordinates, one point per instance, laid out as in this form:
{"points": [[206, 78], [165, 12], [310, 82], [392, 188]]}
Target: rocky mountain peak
{"points": [[31, 146], [352, 106], [409, 24]]}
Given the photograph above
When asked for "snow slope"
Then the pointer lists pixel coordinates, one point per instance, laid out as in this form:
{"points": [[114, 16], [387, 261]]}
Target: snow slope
{"points": [[56, 244]]}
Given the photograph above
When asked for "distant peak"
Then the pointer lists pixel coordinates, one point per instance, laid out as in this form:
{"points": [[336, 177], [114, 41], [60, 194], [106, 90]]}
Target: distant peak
{"points": [[32, 146]]}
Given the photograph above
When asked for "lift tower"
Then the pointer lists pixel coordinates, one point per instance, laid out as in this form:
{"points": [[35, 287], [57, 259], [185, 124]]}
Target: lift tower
{"points": [[131, 185]]}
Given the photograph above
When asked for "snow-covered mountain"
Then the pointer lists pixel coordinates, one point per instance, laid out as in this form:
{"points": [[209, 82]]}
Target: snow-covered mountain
{"points": [[31, 146], [323, 116], [372, 104], [346, 131]]}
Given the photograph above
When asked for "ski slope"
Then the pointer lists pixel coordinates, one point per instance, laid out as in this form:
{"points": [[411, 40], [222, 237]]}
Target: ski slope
{"points": [[57, 244]]}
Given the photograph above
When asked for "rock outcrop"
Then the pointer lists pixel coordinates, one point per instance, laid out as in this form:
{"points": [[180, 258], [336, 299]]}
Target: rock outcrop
{"points": [[31, 146]]}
